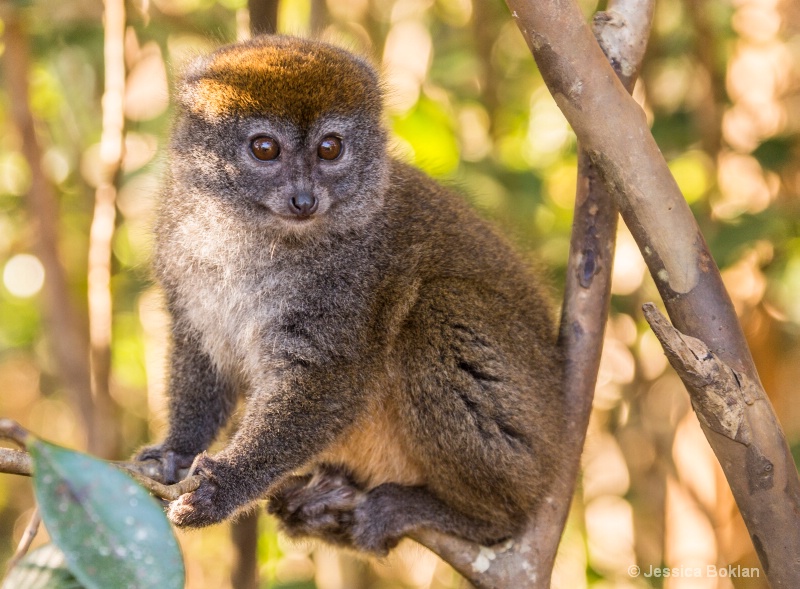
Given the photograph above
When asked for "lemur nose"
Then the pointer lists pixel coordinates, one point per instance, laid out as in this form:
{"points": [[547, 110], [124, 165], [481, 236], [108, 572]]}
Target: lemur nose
{"points": [[303, 204]]}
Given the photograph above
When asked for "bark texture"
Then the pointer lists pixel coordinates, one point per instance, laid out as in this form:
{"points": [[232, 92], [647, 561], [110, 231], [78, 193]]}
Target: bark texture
{"points": [[613, 130]]}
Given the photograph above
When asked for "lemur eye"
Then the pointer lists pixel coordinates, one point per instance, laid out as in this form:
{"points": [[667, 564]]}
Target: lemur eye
{"points": [[330, 148], [265, 148]]}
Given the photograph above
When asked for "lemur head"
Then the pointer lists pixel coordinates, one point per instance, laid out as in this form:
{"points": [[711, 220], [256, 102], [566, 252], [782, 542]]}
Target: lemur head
{"points": [[286, 130]]}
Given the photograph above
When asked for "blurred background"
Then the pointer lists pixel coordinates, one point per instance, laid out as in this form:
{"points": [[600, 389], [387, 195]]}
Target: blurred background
{"points": [[84, 117]]}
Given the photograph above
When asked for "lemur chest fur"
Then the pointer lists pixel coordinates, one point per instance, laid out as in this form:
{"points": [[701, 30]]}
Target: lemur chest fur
{"points": [[236, 313]]}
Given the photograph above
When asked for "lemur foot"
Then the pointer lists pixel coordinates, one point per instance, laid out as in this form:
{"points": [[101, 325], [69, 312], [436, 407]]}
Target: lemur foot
{"points": [[320, 504]]}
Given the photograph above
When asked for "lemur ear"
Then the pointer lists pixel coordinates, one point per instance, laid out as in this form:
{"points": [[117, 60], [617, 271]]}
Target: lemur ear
{"points": [[187, 78]]}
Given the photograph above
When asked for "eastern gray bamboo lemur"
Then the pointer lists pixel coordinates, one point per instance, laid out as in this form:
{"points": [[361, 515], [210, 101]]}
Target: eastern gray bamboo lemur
{"points": [[398, 359]]}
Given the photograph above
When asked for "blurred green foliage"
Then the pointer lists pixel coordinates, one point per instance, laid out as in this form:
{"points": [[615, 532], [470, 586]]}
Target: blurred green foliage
{"points": [[466, 104]]}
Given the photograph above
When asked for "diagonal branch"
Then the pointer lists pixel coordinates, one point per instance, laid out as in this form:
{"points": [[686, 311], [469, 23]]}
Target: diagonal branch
{"points": [[614, 131], [27, 539]]}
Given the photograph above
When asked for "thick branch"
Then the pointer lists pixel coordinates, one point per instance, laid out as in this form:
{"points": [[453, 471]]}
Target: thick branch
{"points": [[613, 129], [736, 418]]}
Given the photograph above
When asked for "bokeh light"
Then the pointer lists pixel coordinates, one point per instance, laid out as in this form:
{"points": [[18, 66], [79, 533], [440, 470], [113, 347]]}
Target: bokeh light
{"points": [[23, 275]]}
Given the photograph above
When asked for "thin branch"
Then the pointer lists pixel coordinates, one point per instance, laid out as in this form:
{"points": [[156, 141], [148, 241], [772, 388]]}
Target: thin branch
{"points": [[622, 32], [11, 430], [101, 233], [20, 463], [166, 492], [27, 538], [614, 131], [145, 472], [15, 462], [729, 406], [486, 21]]}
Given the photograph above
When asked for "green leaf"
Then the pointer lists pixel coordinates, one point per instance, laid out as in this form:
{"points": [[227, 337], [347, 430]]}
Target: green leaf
{"points": [[112, 533], [44, 568]]}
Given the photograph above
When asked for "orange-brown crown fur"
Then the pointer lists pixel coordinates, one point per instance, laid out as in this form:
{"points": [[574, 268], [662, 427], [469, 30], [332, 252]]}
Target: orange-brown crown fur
{"points": [[284, 77]]}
